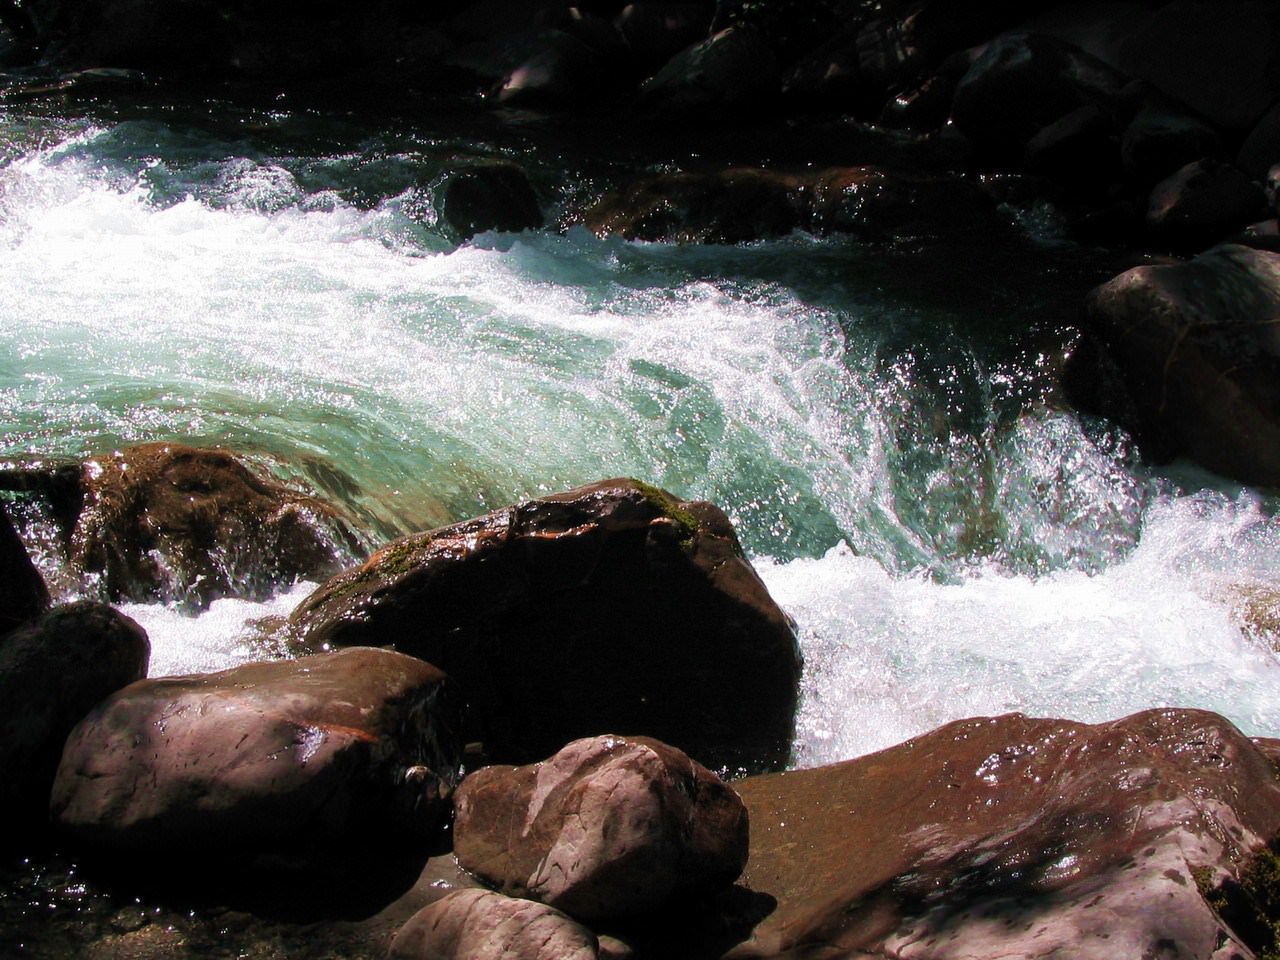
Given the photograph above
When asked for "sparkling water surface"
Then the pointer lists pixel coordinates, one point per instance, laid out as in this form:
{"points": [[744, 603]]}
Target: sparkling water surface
{"points": [[881, 423]]}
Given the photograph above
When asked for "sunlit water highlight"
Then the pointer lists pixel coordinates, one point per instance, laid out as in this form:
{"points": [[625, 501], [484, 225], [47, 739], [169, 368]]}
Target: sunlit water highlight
{"points": [[879, 424]]}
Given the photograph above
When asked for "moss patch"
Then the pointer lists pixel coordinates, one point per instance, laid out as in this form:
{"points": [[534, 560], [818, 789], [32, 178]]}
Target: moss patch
{"points": [[670, 506], [1250, 906]]}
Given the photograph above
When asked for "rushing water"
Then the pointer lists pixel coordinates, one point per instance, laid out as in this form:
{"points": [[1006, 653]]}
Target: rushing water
{"points": [[880, 422]]}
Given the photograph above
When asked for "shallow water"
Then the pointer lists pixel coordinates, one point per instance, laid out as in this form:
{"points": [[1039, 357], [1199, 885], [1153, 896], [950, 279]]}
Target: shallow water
{"points": [[881, 423]]}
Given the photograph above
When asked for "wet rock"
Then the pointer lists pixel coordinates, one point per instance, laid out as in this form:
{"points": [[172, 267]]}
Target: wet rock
{"points": [[1261, 149], [613, 606], [488, 195], [170, 522], [743, 204], [829, 78], [23, 594], [1081, 148], [1196, 360], [319, 764], [608, 827], [1161, 139], [1021, 84], [734, 69], [1201, 204], [657, 31], [1013, 836], [583, 64], [1218, 58], [53, 670], [483, 925]]}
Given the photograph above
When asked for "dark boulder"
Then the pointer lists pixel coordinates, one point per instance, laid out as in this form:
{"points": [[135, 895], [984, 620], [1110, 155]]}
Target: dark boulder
{"points": [[657, 31], [320, 763], [583, 62], [53, 671], [1261, 149], [747, 203], [734, 70], [613, 606], [175, 523], [1202, 203], [483, 925], [1186, 356], [1012, 836], [1022, 83], [488, 195], [1081, 148], [606, 828], [1163, 138], [23, 594]]}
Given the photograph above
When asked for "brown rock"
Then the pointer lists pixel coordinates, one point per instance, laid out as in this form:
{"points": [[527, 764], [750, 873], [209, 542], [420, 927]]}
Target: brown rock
{"points": [[613, 606], [606, 828], [23, 594], [53, 670], [1194, 358], [170, 522], [296, 764], [1013, 837], [1202, 203], [483, 925]]}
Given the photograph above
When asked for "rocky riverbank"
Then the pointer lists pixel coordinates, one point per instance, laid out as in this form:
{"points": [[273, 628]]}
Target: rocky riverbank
{"points": [[340, 798]]}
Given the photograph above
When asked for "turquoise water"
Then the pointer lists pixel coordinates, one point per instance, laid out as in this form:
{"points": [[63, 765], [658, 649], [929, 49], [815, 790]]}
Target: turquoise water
{"points": [[881, 423]]}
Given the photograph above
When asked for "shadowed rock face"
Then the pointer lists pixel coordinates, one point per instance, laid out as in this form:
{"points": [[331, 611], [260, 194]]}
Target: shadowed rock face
{"points": [[1012, 836], [22, 590], [608, 827], [53, 670], [1187, 357], [170, 522], [294, 764], [483, 925], [611, 607]]}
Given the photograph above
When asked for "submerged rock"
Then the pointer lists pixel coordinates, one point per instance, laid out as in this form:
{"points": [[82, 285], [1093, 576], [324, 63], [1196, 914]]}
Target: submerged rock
{"points": [[1012, 836], [613, 606], [171, 522], [327, 761], [23, 594], [483, 925], [1186, 357], [53, 670], [606, 828], [488, 195]]}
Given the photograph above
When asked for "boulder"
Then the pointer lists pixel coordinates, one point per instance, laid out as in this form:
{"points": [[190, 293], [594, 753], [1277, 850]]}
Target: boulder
{"points": [[609, 827], [1022, 83], [1011, 836], [1202, 203], [163, 521], [1186, 357], [1081, 148], [733, 70], [612, 606], [585, 63], [1219, 57], [487, 195], [483, 925], [1261, 149], [321, 762], [1161, 139], [657, 31], [742, 204], [53, 670], [23, 594]]}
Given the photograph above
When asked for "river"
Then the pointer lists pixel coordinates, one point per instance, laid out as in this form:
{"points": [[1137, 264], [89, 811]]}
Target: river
{"points": [[881, 422]]}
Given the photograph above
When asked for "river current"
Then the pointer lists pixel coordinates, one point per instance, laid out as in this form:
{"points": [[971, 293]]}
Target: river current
{"points": [[881, 422]]}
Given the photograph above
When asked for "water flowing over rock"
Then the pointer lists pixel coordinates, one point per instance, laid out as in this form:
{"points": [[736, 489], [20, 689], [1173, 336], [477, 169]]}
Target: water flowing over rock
{"points": [[608, 827], [1186, 357], [491, 195], [1014, 837], [326, 761], [53, 670], [171, 522], [483, 925], [23, 594], [613, 606]]}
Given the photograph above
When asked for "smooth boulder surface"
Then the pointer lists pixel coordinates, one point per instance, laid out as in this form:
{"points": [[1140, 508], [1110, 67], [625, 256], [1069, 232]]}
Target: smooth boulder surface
{"points": [[742, 204], [483, 925], [164, 521], [53, 670], [1011, 836], [732, 70], [23, 593], [1201, 203], [609, 607], [488, 195], [608, 827], [1186, 356], [293, 764]]}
